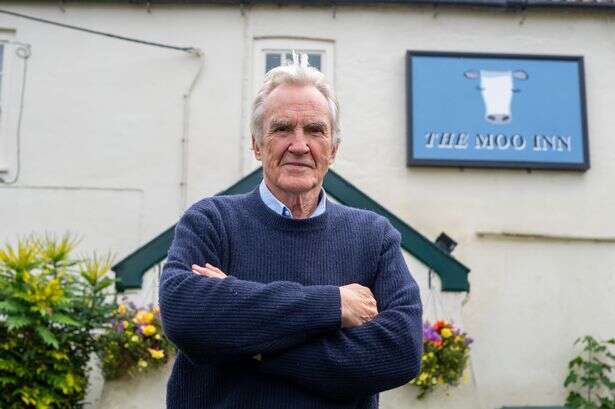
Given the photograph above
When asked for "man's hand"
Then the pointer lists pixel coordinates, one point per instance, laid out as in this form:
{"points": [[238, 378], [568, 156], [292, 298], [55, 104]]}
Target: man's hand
{"points": [[358, 305], [208, 271]]}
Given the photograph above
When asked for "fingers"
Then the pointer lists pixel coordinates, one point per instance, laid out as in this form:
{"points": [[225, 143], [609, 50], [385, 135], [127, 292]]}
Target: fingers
{"points": [[208, 271], [359, 305]]}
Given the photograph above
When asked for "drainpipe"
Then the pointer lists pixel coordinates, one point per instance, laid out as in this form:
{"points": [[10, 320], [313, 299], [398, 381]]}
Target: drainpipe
{"points": [[183, 184]]}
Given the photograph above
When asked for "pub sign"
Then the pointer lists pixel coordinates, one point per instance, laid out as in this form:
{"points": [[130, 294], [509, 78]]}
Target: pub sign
{"points": [[496, 110]]}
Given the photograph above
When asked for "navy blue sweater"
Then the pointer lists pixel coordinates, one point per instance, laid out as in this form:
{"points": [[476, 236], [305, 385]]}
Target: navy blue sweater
{"points": [[281, 299]]}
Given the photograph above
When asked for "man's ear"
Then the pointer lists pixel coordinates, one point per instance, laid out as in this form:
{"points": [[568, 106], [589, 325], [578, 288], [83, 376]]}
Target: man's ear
{"points": [[256, 148], [333, 153]]}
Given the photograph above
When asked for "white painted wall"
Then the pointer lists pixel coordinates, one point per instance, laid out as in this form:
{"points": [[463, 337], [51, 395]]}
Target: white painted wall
{"points": [[101, 156]]}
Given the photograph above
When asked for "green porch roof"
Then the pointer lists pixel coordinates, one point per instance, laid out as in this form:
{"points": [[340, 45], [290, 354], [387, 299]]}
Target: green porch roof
{"points": [[452, 273]]}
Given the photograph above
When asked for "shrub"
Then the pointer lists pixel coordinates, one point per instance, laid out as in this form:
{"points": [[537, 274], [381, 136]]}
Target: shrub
{"points": [[51, 306], [589, 376]]}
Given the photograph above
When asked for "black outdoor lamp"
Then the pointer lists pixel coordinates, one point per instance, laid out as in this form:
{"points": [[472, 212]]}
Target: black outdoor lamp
{"points": [[445, 243]]}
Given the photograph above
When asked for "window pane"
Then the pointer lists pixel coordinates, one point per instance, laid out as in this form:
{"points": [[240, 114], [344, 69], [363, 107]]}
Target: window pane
{"points": [[284, 58], [273, 60], [314, 60]]}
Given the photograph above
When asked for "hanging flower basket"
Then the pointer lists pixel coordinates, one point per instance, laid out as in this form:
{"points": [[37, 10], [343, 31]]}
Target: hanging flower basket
{"points": [[134, 343], [445, 356]]}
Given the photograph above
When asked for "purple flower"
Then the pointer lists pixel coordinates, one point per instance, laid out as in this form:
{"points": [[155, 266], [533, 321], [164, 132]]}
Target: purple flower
{"points": [[429, 334], [467, 341]]}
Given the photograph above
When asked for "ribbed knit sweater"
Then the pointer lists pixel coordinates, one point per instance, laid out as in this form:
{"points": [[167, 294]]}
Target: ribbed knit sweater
{"points": [[281, 299]]}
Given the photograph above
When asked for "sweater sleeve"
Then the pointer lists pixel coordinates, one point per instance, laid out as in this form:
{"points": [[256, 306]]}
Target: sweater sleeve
{"points": [[226, 320], [381, 354]]}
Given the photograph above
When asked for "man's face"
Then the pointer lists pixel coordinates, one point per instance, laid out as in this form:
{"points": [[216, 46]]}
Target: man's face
{"points": [[296, 149]]}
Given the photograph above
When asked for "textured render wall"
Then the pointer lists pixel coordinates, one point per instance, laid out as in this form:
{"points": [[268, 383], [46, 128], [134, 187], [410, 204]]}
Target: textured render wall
{"points": [[107, 116]]}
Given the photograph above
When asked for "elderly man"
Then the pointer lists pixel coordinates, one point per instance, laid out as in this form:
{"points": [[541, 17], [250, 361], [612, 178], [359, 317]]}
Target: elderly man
{"points": [[280, 298]]}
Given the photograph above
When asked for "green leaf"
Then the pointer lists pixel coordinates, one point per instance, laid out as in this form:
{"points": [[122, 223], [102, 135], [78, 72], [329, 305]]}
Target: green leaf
{"points": [[47, 336], [106, 282], [64, 319], [5, 380], [17, 322], [571, 378], [10, 306], [578, 361]]}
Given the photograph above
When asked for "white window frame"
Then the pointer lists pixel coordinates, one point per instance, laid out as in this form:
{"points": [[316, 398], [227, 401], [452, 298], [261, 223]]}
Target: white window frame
{"points": [[264, 45], [267, 44], [9, 105]]}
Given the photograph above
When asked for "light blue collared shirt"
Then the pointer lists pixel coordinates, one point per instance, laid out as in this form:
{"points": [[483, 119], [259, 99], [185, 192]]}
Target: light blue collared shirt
{"points": [[280, 208]]}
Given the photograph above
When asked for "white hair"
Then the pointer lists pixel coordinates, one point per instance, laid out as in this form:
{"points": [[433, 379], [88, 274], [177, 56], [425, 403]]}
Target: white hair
{"points": [[297, 73]]}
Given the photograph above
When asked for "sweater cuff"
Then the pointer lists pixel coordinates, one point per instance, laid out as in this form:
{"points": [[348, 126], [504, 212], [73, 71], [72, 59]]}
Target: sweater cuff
{"points": [[325, 304]]}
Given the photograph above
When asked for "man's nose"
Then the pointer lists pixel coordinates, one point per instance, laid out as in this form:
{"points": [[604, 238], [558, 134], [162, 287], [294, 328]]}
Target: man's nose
{"points": [[298, 143]]}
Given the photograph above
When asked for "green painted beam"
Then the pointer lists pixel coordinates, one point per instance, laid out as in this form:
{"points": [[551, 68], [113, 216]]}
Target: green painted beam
{"points": [[130, 270], [453, 274]]}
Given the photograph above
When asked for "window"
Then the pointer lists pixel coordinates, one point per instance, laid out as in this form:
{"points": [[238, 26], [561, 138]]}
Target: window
{"points": [[277, 58], [1, 72], [13, 56], [271, 52], [3, 142]]}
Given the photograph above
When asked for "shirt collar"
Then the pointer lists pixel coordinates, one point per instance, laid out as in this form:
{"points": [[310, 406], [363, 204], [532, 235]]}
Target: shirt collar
{"points": [[280, 208]]}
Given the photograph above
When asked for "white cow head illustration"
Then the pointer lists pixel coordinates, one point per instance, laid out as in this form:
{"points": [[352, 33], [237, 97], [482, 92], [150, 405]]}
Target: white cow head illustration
{"points": [[497, 90]]}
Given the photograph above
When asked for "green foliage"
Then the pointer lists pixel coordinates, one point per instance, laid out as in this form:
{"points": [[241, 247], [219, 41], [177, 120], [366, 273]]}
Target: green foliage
{"points": [[52, 305], [446, 350], [135, 342], [589, 378]]}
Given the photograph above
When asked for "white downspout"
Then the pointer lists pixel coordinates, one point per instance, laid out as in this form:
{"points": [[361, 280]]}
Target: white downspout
{"points": [[183, 184]]}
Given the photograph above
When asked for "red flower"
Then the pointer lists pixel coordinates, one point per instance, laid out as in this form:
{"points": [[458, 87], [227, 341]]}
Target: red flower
{"points": [[438, 325]]}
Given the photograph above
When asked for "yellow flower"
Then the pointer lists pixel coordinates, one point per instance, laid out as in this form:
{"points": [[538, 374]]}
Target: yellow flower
{"points": [[158, 337], [125, 322], [156, 310], [149, 330], [156, 354], [142, 363], [143, 317], [134, 338], [121, 309], [458, 339], [446, 332]]}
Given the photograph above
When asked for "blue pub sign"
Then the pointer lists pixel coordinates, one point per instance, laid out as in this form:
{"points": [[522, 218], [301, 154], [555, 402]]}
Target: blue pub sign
{"points": [[496, 110]]}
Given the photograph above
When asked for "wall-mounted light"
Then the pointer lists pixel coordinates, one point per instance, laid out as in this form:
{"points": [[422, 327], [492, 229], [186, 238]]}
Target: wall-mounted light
{"points": [[445, 243]]}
